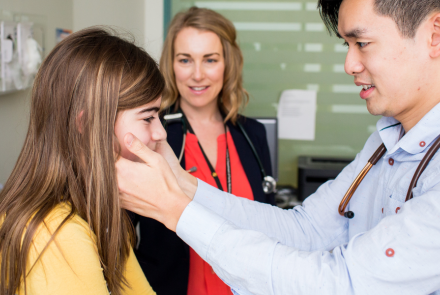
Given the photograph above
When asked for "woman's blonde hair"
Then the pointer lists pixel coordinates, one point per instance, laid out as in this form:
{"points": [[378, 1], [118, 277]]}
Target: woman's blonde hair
{"points": [[69, 151], [233, 97]]}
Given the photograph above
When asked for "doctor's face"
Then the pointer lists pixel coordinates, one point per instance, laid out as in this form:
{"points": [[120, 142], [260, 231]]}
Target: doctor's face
{"points": [[144, 123], [388, 66], [199, 67]]}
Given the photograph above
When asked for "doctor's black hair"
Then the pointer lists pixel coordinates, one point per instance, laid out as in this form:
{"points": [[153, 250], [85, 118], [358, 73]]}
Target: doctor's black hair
{"points": [[408, 14]]}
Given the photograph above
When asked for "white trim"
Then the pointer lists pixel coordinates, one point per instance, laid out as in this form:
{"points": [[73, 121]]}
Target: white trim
{"points": [[314, 27], [260, 26], [340, 88], [349, 109], [153, 25], [314, 68], [226, 5], [313, 47]]}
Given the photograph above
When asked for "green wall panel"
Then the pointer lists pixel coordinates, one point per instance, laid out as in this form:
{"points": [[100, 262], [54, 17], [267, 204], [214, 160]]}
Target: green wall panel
{"points": [[304, 57]]}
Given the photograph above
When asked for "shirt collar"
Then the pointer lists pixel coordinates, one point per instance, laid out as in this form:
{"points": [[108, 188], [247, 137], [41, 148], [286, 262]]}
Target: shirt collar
{"points": [[417, 139]]}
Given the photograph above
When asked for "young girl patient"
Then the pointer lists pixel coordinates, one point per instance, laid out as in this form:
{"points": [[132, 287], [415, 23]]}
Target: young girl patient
{"points": [[62, 230]]}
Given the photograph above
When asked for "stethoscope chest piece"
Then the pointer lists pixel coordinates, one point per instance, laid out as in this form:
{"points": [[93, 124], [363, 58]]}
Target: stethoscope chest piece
{"points": [[269, 184]]}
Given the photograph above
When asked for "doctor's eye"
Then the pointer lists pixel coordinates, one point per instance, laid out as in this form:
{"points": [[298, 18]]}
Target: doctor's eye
{"points": [[184, 60], [149, 119], [362, 44], [211, 60], [345, 43]]}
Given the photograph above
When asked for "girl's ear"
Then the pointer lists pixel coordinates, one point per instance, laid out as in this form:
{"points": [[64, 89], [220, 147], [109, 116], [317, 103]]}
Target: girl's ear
{"points": [[435, 39], [79, 122]]}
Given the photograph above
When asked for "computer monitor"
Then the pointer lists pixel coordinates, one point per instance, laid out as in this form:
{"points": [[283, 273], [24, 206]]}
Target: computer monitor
{"points": [[271, 125]]}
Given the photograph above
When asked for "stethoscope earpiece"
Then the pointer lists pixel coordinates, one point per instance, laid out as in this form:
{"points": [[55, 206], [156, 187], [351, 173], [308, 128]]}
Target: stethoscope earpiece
{"points": [[269, 185], [172, 118]]}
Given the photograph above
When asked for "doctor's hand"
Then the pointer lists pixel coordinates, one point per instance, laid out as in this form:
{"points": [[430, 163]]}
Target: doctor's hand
{"points": [[150, 189], [186, 181]]}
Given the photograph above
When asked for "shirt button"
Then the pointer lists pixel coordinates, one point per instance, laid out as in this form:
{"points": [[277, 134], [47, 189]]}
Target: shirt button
{"points": [[397, 209], [422, 143], [389, 252], [391, 161]]}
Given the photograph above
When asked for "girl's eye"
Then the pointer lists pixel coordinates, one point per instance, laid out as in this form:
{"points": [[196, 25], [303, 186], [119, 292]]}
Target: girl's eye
{"points": [[149, 119], [210, 60], [345, 43], [362, 44], [184, 60]]}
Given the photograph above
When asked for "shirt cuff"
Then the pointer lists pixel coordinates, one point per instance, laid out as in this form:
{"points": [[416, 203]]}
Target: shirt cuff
{"points": [[210, 197], [197, 226]]}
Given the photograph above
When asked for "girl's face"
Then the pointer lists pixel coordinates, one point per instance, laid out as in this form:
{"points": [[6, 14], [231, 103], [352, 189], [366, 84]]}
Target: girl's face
{"points": [[144, 123], [199, 66]]}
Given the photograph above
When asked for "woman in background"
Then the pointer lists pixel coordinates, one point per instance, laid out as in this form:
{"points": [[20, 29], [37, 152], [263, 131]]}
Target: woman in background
{"points": [[62, 230], [202, 66]]}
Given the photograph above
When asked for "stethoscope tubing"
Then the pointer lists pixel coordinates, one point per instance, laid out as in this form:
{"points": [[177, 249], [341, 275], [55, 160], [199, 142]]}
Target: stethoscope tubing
{"points": [[269, 183], [349, 194], [378, 154], [423, 164], [263, 172]]}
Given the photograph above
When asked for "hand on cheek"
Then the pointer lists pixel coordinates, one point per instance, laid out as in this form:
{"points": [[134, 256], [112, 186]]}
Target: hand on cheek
{"points": [[149, 189], [186, 181]]}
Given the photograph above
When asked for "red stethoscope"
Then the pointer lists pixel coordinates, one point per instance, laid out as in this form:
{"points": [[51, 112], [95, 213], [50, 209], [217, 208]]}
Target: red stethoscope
{"points": [[378, 154]]}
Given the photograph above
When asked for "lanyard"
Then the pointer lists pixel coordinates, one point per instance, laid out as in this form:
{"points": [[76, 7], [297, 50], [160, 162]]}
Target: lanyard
{"points": [[268, 184], [228, 161]]}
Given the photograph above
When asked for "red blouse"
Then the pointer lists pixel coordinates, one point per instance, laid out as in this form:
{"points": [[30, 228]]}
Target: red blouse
{"points": [[202, 279]]}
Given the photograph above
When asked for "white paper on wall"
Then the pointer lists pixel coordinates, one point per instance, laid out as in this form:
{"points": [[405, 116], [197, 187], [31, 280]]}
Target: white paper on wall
{"points": [[29, 53], [297, 115], [20, 56], [9, 57]]}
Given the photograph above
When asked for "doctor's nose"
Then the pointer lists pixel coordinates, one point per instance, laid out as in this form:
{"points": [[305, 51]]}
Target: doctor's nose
{"points": [[198, 72], [353, 65]]}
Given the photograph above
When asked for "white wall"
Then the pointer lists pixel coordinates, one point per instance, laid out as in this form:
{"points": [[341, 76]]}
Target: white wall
{"points": [[142, 18], [14, 107], [153, 24]]}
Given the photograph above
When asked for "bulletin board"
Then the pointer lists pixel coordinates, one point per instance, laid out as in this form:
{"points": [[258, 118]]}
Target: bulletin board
{"points": [[286, 46]]}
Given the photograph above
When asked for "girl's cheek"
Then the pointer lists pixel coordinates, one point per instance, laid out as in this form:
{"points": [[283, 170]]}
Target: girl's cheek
{"points": [[146, 138]]}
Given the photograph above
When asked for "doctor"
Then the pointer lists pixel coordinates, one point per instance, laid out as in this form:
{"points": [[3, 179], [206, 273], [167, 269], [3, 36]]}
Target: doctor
{"points": [[390, 246]]}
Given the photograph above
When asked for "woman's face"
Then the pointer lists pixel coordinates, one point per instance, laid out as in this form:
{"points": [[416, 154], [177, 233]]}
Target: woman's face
{"points": [[199, 67], [144, 123]]}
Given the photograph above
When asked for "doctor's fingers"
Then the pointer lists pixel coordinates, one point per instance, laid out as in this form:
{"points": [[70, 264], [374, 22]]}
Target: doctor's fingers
{"points": [[164, 161], [147, 191], [135, 146], [144, 182], [165, 150], [138, 206]]}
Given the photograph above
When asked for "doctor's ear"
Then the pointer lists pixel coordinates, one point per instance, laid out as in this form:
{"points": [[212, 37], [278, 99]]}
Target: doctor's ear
{"points": [[435, 39], [79, 122]]}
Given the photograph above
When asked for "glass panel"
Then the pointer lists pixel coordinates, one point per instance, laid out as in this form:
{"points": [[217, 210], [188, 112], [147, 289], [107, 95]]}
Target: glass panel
{"points": [[286, 46]]}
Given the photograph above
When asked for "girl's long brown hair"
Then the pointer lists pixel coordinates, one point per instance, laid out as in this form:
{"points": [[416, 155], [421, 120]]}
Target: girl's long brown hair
{"points": [[233, 97], [69, 151]]}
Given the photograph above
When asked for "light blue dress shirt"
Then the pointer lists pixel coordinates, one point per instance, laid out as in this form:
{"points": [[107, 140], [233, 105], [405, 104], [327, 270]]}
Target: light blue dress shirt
{"points": [[389, 247]]}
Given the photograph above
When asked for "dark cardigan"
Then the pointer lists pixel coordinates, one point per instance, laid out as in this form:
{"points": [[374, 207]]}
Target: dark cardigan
{"points": [[163, 256]]}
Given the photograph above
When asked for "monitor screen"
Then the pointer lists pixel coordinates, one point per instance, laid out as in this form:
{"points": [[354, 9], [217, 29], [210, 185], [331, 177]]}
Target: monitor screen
{"points": [[271, 125]]}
